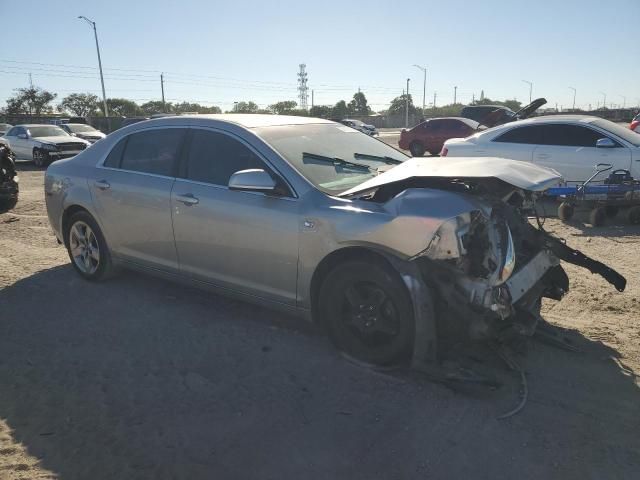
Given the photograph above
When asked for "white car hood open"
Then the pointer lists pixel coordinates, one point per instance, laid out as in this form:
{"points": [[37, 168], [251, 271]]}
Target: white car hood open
{"points": [[524, 175]]}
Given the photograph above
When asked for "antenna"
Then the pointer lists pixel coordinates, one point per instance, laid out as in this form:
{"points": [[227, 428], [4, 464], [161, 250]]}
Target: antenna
{"points": [[302, 86]]}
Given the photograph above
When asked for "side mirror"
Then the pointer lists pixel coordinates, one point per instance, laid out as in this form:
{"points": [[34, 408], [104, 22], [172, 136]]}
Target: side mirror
{"points": [[23, 136], [605, 143], [252, 180]]}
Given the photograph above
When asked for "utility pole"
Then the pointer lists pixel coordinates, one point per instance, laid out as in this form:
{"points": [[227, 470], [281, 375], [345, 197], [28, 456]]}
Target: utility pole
{"points": [[302, 86], [473, 98], [312, 92], [30, 80], [624, 100], [104, 95], [164, 106], [424, 85], [530, 88], [434, 99], [574, 97], [455, 94], [406, 110]]}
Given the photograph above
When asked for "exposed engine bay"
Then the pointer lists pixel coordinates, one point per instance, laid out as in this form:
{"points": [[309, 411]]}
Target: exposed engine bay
{"points": [[8, 179], [491, 266]]}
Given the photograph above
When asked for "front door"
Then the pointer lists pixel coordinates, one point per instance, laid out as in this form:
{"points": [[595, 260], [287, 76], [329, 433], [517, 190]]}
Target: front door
{"points": [[571, 150], [19, 146], [132, 195], [244, 241]]}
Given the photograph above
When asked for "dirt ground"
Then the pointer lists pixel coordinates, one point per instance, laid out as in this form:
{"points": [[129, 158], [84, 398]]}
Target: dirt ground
{"points": [[140, 378]]}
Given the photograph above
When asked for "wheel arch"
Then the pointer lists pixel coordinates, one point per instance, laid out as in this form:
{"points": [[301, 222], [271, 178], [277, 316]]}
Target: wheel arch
{"points": [[66, 216]]}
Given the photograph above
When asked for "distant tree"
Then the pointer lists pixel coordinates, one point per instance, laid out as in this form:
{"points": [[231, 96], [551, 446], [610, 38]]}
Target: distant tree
{"points": [[283, 108], [32, 100], [398, 106], [245, 107], [79, 104], [185, 107], [322, 111], [358, 105], [156, 106], [340, 110], [122, 107]]}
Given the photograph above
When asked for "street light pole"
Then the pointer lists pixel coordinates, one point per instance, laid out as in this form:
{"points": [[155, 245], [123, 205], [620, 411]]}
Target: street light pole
{"points": [[574, 97], [604, 103], [406, 111], [424, 85], [455, 94], [624, 101], [95, 33], [530, 88]]}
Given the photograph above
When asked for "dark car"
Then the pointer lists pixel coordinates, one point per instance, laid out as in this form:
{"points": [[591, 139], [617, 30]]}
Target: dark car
{"points": [[430, 135], [492, 115], [8, 179]]}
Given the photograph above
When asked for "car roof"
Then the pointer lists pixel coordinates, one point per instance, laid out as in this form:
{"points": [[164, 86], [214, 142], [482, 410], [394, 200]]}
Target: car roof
{"points": [[83, 124], [29, 125], [559, 118], [245, 120]]}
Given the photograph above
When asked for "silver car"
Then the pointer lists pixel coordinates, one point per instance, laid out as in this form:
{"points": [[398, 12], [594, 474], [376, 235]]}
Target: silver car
{"points": [[43, 143], [312, 217]]}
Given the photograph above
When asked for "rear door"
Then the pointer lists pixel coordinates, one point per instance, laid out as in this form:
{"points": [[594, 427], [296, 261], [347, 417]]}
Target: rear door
{"points": [[240, 240], [517, 143], [131, 191], [571, 150]]}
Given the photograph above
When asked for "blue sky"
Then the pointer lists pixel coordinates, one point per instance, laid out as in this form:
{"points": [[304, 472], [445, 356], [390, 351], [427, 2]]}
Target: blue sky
{"points": [[218, 52]]}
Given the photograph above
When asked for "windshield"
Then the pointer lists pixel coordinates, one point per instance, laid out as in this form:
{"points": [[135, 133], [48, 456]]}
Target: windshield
{"points": [[296, 142], [75, 128], [47, 132], [623, 132]]}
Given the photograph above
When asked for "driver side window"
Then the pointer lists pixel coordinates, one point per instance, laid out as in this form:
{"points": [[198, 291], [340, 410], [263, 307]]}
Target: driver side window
{"points": [[213, 157]]}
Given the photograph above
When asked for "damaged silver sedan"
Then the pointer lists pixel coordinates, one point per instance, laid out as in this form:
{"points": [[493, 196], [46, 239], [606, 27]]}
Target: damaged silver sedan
{"points": [[387, 252]]}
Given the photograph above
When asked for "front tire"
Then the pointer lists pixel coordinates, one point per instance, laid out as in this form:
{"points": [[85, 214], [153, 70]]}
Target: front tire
{"points": [[40, 158], [87, 247], [598, 216], [368, 312], [416, 149]]}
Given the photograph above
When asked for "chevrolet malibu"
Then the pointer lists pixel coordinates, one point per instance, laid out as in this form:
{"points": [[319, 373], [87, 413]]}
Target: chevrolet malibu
{"points": [[312, 217]]}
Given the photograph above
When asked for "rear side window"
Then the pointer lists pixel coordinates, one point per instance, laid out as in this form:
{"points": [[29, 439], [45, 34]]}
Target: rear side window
{"points": [[213, 157], [529, 135], [153, 151], [569, 136], [115, 156]]}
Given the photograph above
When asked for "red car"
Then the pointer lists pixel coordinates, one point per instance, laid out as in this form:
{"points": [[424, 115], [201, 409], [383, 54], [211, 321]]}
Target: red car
{"points": [[635, 123], [430, 135]]}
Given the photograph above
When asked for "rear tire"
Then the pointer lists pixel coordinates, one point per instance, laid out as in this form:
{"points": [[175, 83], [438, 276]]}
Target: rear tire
{"points": [[565, 211], [368, 312], [597, 216], [416, 149], [633, 215], [611, 211], [87, 247]]}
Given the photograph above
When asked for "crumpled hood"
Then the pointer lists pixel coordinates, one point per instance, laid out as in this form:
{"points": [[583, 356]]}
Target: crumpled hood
{"points": [[55, 140], [524, 175]]}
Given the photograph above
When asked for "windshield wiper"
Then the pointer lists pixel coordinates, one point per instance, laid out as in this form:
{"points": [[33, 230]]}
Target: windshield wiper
{"points": [[335, 160], [384, 159]]}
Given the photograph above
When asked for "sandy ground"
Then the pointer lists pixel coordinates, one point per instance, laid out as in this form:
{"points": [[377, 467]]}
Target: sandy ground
{"points": [[140, 378]]}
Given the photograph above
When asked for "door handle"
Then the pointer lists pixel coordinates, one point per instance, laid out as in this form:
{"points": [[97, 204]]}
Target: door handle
{"points": [[188, 199], [543, 156], [102, 184]]}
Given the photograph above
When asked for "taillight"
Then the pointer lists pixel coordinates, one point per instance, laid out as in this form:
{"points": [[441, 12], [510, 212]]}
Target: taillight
{"points": [[444, 152]]}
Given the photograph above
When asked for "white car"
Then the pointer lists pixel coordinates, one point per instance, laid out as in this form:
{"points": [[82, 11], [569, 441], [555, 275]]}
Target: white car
{"points": [[570, 144], [43, 143]]}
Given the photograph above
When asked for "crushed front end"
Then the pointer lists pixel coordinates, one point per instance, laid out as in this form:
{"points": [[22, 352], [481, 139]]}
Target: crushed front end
{"points": [[490, 269]]}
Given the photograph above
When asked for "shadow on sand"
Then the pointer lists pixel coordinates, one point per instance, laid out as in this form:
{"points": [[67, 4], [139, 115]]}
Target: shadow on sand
{"points": [[140, 378]]}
